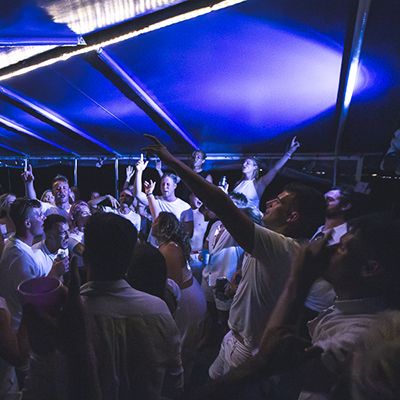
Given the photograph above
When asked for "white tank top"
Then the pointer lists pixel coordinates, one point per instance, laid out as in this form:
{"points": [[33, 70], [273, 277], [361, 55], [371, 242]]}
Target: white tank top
{"points": [[248, 188]]}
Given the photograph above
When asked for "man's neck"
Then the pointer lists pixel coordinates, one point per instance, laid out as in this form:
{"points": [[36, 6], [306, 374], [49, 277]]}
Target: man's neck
{"points": [[169, 198], [198, 169], [333, 222], [64, 205], [27, 238], [50, 249]]}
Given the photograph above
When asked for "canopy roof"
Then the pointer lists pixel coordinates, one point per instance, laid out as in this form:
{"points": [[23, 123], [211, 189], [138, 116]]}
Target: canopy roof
{"points": [[241, 79]]}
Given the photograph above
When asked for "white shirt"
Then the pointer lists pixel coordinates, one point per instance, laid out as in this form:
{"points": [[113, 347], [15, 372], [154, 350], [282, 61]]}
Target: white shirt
{"points": [[248, 188], [322, 295], [48, 209], [43, 256], [17, 264], [130, 216], [264, 274], [175, 207]]}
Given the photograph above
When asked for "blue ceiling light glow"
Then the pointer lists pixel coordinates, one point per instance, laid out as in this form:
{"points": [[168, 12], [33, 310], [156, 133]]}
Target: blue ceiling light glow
{"points": [[149, 101], [254, 77], [21, 129]]}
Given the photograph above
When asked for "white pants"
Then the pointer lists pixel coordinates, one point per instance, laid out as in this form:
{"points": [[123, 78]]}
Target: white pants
{"points": [[231, 354]]}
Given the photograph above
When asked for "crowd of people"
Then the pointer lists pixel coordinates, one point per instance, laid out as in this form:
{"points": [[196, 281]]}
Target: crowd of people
{"points": [[302, 299]]}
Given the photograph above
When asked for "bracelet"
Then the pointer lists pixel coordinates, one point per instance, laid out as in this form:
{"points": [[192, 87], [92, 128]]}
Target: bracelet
{"points": [[149, 194], [289, 154]]}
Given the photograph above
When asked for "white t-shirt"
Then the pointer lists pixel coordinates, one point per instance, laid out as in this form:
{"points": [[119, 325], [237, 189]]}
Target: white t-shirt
{"points": [[17, 264], [130, 216], [264, 274], [43, 256], [248, 188], [176, 207], [48, 209]]}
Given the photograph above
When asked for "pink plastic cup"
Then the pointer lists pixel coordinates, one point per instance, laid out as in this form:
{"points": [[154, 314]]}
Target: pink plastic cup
{"points": [[45, 293]]}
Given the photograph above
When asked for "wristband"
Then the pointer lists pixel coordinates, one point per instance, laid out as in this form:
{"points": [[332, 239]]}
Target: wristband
{"points": [[149, 194]]}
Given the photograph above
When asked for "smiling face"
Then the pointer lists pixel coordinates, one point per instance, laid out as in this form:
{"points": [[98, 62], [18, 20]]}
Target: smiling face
{"points": [[276, 212], [48, 197], [61, 192], [250, 168]]}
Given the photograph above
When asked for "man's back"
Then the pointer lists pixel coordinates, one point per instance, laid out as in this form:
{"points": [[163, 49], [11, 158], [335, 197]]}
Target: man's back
{"points": [[136, 342]]}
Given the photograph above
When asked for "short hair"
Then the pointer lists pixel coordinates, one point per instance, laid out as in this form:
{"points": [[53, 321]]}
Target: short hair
{"points": [[53, 219], [109, 244], [254, 214], [379, 233], [174, 177], [60, 178], [19, 211], [148, 270], [310, 204], [203, 154]]}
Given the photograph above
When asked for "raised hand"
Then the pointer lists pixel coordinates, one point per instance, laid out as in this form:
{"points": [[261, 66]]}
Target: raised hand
{"points": [[294, 145], [141, 165], [114, 202], [130, 171], [149, 187], [158, 149], [27, 176]]}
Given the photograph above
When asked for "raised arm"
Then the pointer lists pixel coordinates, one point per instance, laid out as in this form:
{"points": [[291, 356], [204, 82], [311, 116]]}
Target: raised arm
{"points": [[129, 174], [153, 205], [235, 221], [28, 178], [262, 182], [95, 202], [137, 188]]}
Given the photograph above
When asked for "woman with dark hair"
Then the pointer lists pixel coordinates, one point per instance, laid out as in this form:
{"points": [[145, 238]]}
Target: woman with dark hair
{"points": [[174, 245], [147, 272], [253, 186]]}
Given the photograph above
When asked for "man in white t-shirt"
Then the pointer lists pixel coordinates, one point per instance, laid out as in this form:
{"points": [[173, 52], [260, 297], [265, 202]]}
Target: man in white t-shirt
{"points": [[123, 207], [60, 189], [294, 214]]}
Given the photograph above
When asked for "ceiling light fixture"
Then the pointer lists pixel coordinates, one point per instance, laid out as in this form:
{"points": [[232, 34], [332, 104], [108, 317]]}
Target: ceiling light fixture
{"points": [[151, 27]]}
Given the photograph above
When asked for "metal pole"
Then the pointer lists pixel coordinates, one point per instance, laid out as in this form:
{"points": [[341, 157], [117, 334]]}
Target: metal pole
{"points": [[116, 177], [76, 172]]}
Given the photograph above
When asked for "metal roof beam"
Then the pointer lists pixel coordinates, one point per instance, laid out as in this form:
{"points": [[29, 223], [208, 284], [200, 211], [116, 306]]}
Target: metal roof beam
{"points": [[50, 117], [349, 70], [13, 149], [13, 126], [41, 41], [143, 99]]}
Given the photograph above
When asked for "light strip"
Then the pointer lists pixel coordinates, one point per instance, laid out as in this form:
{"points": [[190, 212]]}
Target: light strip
{"points": [[150, 28], [21, 129]]}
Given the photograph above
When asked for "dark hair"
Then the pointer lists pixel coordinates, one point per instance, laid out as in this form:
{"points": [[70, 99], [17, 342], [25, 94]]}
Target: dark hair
{"points": [[170, 230], [310, 204], [203, 154], [379, 234], [172, 176], [53, 219], [19, 211], [109, 244], [239, 199], [148, 271], [57, 178]]}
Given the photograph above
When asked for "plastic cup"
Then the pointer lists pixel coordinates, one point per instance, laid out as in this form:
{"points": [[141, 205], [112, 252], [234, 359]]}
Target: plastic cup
{"points": [[45, 293]]}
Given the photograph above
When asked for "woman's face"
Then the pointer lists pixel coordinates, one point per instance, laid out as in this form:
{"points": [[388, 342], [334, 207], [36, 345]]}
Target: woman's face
{"points": [[249, 167], [49, 197], [9, 200], [82, 215]]}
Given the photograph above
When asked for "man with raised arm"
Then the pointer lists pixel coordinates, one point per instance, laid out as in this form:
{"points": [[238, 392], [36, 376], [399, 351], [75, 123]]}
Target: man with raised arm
{"points": [[60, 189], [294, 214]]}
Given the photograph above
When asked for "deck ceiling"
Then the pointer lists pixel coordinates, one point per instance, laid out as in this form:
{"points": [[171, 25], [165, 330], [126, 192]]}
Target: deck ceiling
{"points": [[240, 79]]}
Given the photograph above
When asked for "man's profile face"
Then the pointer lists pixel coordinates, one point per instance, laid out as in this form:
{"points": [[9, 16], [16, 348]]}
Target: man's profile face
{"points": [[36, 218], [197, 159], [277, 209], [333, 200], [61, 192]]}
